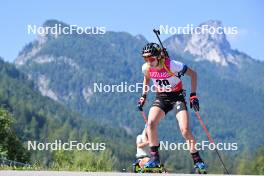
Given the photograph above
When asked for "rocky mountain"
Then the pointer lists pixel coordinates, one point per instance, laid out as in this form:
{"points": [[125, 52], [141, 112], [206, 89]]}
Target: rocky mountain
{"points": [[230, 88], [213, 47]]}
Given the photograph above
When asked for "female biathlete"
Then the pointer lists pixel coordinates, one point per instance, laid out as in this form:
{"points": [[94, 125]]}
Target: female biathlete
{"points": [[165, 74]]}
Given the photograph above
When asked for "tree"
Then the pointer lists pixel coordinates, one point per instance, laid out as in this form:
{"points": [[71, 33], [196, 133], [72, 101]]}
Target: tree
{"points": [[10, 145], [258, 165]]}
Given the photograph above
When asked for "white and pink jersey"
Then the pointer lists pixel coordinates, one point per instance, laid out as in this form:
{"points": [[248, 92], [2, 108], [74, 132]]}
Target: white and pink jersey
{"points": [[164, 81]]}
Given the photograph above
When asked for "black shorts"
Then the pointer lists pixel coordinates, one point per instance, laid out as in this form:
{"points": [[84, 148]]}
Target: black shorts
{"points": [[167, 100]]}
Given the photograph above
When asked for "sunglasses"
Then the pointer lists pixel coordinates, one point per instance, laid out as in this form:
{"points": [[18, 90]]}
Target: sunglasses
{"points": [[150, 59]]}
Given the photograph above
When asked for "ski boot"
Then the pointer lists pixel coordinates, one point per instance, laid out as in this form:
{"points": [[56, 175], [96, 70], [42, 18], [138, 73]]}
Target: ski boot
{"points": [[153, 166], [200, 168]]}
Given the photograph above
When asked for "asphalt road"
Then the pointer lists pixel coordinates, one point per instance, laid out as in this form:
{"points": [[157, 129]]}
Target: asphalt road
{"points": [[64, 173]]}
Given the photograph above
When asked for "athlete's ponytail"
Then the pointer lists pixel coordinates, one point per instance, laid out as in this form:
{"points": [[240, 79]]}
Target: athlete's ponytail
{"points": [[162, 62]]}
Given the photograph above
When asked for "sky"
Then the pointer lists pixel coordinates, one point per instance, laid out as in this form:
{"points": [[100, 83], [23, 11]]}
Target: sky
{"points": [[134, 17]]}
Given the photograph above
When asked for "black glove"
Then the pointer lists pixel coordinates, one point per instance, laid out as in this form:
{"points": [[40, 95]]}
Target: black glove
{"points": [[141, 102], [194, 102]]}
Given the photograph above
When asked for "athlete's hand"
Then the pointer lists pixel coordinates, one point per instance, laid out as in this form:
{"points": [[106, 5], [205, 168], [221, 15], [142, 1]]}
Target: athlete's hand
{"points": [[194, 102], [141, 102]]}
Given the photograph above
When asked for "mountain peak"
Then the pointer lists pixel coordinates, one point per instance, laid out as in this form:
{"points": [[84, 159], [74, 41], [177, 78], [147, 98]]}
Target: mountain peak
{"points": [[53, 28], [215, 23], [53, 22], [31, 49], [141, 37], [219, 38], [211, 45]]}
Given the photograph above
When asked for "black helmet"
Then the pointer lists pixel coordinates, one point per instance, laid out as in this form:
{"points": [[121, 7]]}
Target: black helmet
{"points": [[151, 49]]}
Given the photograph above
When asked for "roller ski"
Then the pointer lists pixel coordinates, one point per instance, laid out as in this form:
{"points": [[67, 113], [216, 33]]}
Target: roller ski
{"points": [[157, 169], [146, 169], [200, 168], [153, 165]]}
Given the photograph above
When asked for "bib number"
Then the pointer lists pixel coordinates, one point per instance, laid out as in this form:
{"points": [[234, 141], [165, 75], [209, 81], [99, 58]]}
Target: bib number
{"points": [[163, 83]]}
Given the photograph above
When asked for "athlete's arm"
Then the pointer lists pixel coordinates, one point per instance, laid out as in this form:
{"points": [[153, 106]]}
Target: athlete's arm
{"points": [[142, 144], [146, 81], [194, 102], [193, 76], [143, 97], [145, 84]]}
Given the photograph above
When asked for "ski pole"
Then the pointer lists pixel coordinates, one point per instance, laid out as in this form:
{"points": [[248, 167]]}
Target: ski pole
{"points": [[142, 113], [157, 32], [211, 140]]}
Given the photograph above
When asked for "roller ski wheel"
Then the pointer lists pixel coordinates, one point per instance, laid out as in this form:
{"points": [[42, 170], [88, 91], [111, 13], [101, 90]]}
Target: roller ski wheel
{"points": [[158, 169], [200, 168]]}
